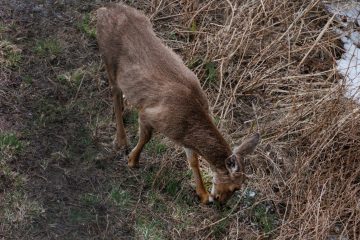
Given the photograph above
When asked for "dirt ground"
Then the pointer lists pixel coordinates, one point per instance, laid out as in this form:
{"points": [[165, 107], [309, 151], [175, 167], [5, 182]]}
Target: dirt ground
{"points": [[60, 177]]}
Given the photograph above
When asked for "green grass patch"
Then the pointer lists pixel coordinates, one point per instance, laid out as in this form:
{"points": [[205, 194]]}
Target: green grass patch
{"points": [[181, 214], [131, 117], [156, 202], [216, 120], [12, 55], [193, 26], [85, 26], [172, 35], [48, 47], [149, 229], [173, 186], [210, 69], [10, 141], [154, 146], [13, 58], [221, 228], [120, 197], [71, 79], [81, 145], [90, 199], [149, 176], [50, 112], [63, 79], [27, 79], [17, 208], [264, 217], [80, 216], [2, 27], [10, 178], [77, 76]]}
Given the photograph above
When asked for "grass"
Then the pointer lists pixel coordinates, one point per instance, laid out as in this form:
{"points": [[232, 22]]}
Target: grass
{"points": [[49, 47], [149, 229], [85, 26], [210, 68], [10, 177], [28, 80], [61, 178], [216, 120], [193, 26], [50, 112], [131, 117], [13, 58], [11, 142], [155, 146], [120, 197], [156, 201], [2, 27], [264, 218], [80, 216], [194, 63], [172, 186], [11, 55], [17, 208]]}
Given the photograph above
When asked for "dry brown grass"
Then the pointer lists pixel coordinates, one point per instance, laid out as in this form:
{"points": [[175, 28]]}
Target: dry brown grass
{"points": [[275, 71]]}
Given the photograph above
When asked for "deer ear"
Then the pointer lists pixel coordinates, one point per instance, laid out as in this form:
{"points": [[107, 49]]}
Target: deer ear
{"points": [[248, 145], [232, 164]]}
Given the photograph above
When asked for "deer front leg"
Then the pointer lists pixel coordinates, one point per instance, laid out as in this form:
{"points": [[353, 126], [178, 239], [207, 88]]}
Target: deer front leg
{"points": [[145, 132], [121, 139], [117, 95], [193, 160]]}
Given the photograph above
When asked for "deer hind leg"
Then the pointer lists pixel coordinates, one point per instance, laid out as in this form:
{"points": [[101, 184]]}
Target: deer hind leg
{"points": [[193, 160], [117, 95], [145, 132]]}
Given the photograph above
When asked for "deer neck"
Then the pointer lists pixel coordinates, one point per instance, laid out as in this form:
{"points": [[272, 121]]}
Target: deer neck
{"points": [[210, 144]]}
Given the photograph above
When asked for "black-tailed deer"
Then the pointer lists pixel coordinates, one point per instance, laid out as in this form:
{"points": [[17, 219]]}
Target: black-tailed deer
{"points": [[169, 98]]}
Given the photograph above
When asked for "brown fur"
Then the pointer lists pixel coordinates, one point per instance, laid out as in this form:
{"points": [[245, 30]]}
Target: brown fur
{"points": [[156, 81]]}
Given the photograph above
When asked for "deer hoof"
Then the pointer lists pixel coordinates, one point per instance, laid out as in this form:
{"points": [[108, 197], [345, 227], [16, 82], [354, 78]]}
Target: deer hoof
{"points": [[132, 162], [205, 198]]}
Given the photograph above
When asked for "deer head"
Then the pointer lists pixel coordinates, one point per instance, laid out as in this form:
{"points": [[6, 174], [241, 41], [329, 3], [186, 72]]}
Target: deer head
{"points": [[227, 182]]}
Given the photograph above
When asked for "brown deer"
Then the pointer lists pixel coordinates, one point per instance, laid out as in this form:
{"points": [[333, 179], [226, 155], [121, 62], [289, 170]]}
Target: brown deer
{"points": [[169, 98]]}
